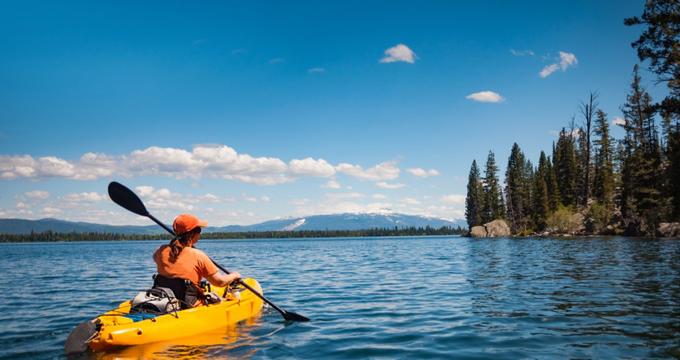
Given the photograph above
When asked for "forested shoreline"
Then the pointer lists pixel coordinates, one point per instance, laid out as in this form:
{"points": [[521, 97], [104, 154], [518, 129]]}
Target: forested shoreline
{"points": [[593, 183], [50, 236]]}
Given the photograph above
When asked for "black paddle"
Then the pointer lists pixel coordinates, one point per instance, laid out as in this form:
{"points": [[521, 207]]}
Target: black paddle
{"points": [[124, 197]]}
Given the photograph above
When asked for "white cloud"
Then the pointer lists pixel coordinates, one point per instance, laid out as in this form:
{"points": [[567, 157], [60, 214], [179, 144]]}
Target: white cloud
{"points": [[521, 52], [85, 197], [265, 199], [389, 186], [210, 198], [224, 162], [422, 173], [549, 69], [384, 171], [316, 70], [156, 160], [167, 201], [311, 167], [202, 161], [144, 190], [346, 195], [619, 121], [299, 202], [453, 199], [486, 97], [410, 201], [379, 196], [249, 198], [22, 205], [37, 194], [399, 52], [50, 211], [566, 60], [331, 184]]}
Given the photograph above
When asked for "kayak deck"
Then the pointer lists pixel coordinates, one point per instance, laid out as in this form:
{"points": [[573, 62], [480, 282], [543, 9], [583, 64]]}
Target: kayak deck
{"points": [[120, 328]]}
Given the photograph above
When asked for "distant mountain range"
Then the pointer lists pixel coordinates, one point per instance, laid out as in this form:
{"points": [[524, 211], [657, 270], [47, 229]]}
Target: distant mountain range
{"points": [[315, 222]]}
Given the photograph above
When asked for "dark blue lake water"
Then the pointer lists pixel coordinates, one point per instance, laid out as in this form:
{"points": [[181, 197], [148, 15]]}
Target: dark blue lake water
{"points": [[428, 297]]}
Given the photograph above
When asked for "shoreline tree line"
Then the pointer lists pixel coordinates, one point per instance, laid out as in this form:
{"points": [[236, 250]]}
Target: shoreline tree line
{"points": [[592, 183], [50, 236]]}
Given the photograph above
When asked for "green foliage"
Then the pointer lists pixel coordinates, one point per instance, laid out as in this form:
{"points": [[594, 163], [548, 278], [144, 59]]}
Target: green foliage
{"points": [[518, 186], [541, 203], [494, 208], [474, 201], [603, 183], [562, 221], [564, 159], [642, 172], [601, 216], [673, 174], [659, 44], [553, 189]]}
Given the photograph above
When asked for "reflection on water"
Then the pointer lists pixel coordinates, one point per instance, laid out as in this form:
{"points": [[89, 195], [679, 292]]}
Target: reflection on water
{"points": [[208, 345], [440, 297]]}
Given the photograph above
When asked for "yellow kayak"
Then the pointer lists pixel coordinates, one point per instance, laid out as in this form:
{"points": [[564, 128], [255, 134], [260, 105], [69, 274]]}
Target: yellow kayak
{"points": [[119, 327]]}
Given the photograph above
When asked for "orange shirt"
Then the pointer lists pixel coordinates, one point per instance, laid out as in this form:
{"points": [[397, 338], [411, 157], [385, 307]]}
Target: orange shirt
{"points": [[192, 264]]}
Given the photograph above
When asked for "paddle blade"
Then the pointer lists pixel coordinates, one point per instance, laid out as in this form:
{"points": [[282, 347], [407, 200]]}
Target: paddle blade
{"points": [[124, 197], [76, 343], [291, 316]]}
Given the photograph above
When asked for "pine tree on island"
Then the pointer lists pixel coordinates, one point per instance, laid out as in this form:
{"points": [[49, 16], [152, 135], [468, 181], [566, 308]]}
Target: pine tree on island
{"points": [[474, 202], [494, 208]]}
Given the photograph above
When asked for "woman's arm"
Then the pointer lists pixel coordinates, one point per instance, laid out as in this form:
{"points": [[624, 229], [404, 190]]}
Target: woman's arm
{"points": [[219, 279]]}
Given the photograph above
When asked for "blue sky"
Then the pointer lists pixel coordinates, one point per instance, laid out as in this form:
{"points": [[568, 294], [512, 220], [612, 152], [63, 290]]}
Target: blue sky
{"points": [[247, 111]]}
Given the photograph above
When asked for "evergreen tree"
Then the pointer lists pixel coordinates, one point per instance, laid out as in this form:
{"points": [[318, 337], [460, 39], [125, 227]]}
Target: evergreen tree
{"points": [[493, 198], [528, 195], [564, 159], [516, 195], [553, 189], [474, 201], [673, 174], [582, 168], [603, 182], [541, 204], [642, 160], [660, 44]]}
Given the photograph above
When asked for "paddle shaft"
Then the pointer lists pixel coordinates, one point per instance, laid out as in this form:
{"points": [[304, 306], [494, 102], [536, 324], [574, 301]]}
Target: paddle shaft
{"points": [[162, 225], [252, 290]]}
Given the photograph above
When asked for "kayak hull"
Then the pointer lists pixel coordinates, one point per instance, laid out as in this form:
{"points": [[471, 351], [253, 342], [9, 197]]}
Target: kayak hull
{"points": [[116, 328]]}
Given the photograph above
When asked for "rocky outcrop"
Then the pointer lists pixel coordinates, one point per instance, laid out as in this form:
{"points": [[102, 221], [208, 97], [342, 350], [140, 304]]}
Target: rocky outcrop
{"points": [[496, 228], [478, 231], [668, 230]]}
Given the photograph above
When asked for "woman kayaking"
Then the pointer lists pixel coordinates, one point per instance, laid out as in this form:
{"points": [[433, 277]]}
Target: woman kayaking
{"points": [[179, 261]]}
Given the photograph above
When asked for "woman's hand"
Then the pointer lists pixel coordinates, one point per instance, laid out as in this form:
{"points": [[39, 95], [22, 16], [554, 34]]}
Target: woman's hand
{"points": [[234, 276], [219, 279]]}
